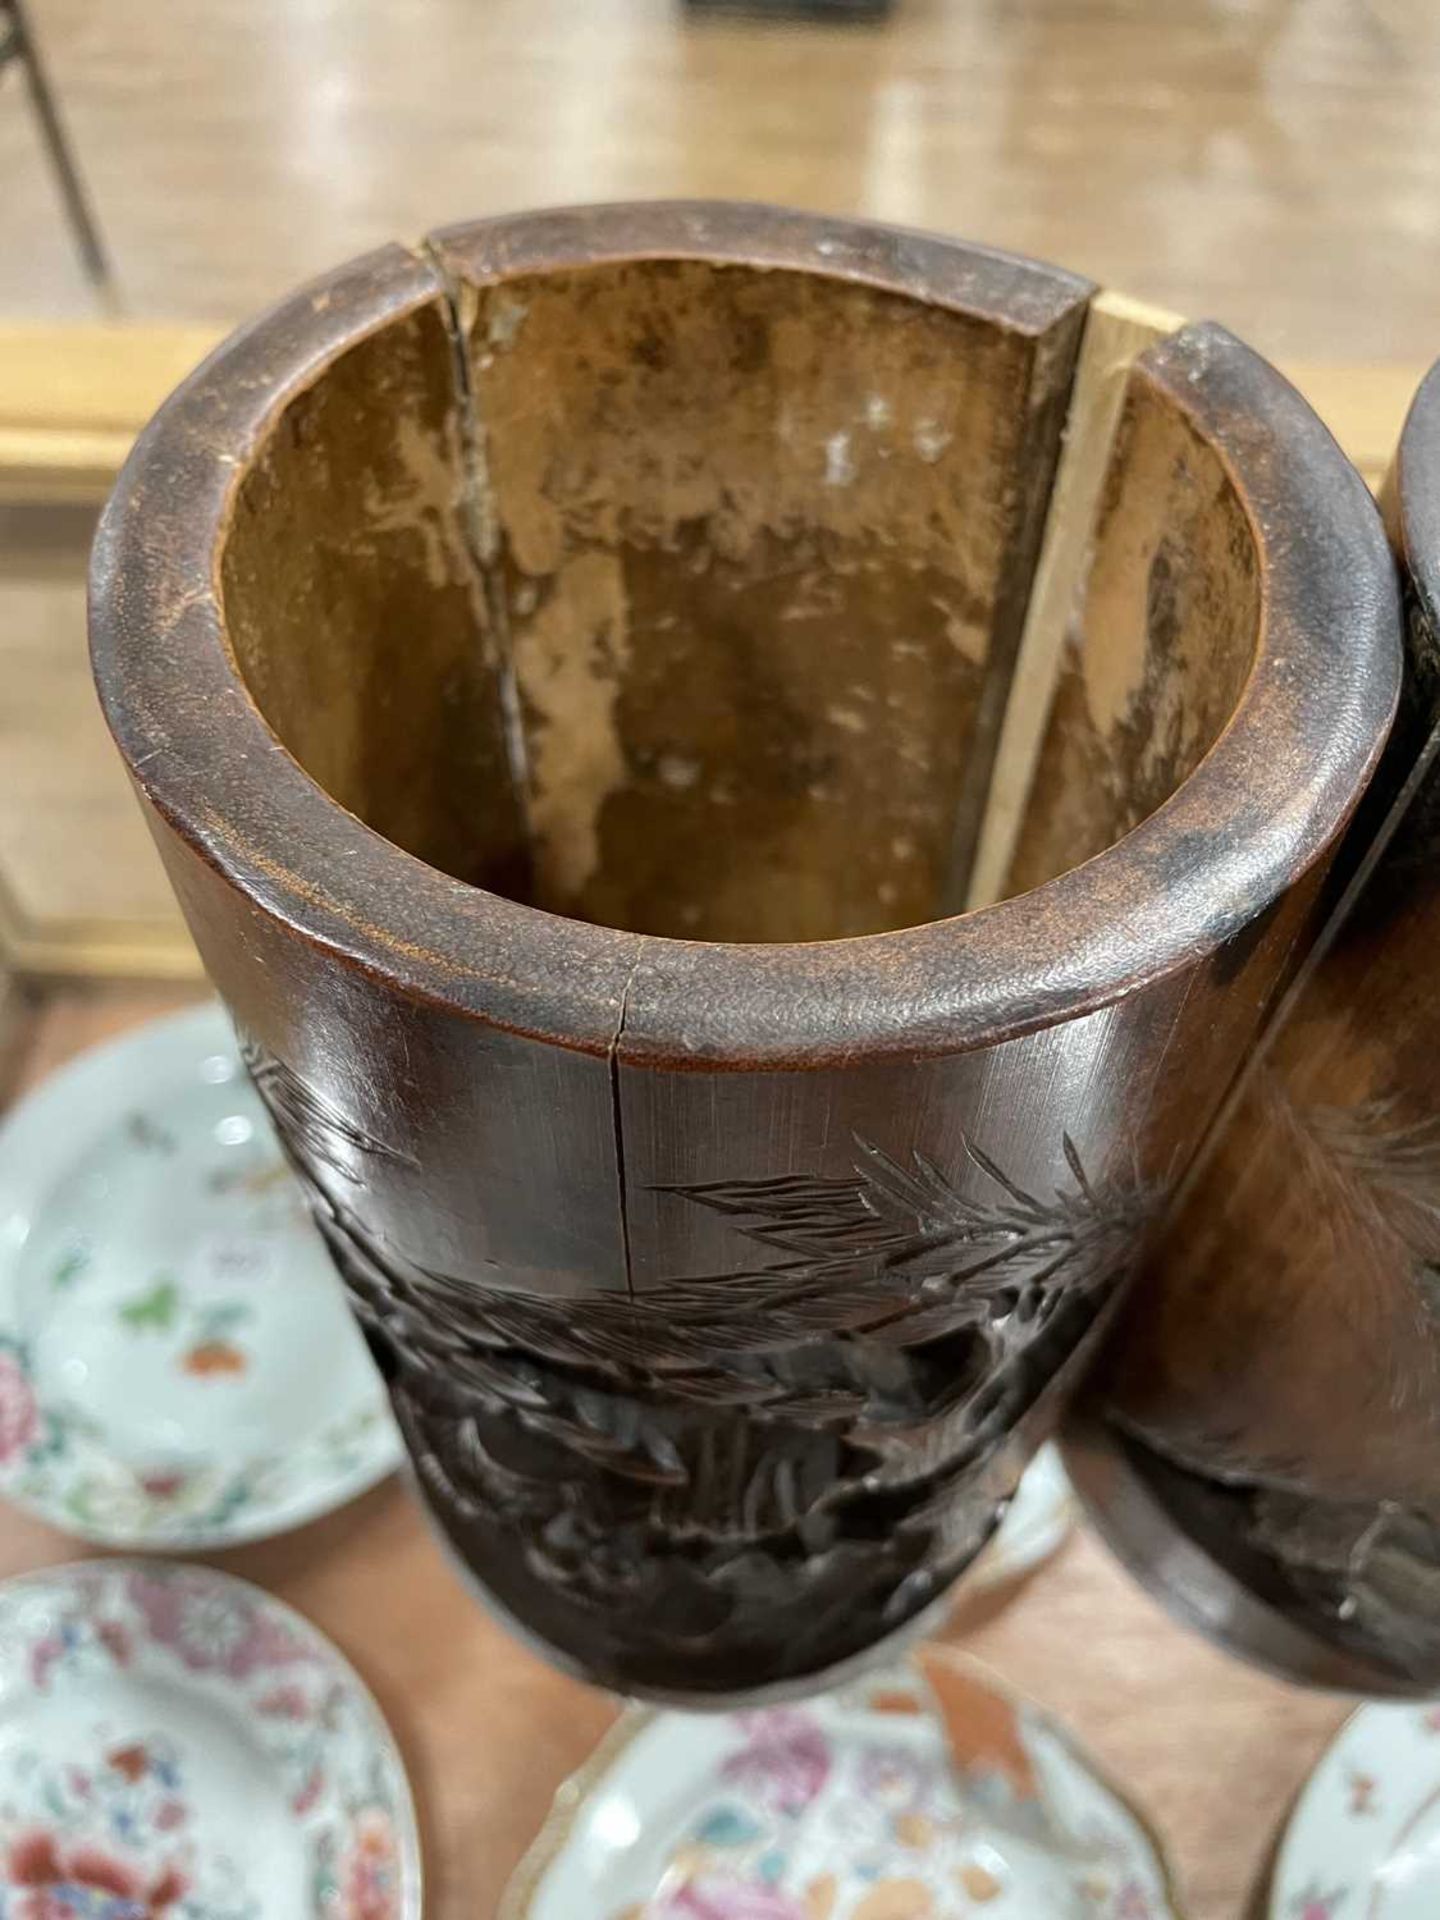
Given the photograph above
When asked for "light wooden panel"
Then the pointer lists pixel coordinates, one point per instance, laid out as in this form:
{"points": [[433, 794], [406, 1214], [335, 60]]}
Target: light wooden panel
{"points": [[73, 398], [1363, 406], [1116, 331]]}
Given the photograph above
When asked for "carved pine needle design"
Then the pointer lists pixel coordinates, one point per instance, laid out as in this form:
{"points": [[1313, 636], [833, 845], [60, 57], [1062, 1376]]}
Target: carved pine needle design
{"points": [[317, 1129], [1372, 1568], [1384, 1173], [912, 1228]]}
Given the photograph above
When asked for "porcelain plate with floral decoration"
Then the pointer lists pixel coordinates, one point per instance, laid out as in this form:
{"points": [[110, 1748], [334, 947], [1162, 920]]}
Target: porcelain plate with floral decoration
{"points": [[177, 1364], [922, 1793], [176, 1745], [1363, 1841]]}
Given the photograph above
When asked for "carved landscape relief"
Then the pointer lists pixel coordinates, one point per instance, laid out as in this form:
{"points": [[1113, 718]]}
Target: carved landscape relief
{"points": [[737, 1479]]}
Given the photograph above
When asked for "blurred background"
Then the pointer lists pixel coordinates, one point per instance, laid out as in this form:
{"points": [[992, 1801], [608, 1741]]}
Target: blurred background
{"points": [[1274, 164], [1270, 163]]}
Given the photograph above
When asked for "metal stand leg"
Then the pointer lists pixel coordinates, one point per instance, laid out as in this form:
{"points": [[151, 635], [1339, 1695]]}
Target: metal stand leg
{"points": [[20, 44]]}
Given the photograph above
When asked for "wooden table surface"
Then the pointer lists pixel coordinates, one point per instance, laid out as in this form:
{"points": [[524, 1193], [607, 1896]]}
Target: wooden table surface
{"points": [[1211, 1751], [1268, 163]]}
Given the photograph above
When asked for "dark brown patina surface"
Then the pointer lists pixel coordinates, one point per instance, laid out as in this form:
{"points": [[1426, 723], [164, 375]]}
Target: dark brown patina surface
{"points": [[563, 666], [1273, 1393]]}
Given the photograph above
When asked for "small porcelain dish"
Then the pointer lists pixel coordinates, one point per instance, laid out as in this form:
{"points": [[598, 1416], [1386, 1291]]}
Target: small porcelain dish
{"points": [[178, 1368]]}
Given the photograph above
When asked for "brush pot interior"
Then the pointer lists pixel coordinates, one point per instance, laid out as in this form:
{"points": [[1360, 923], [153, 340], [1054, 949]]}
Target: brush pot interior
{"points": [[689, 604]]}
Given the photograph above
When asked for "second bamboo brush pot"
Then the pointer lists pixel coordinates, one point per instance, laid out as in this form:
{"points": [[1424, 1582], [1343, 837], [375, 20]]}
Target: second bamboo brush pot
{"points": [[1260, 1445], [572, 675]]}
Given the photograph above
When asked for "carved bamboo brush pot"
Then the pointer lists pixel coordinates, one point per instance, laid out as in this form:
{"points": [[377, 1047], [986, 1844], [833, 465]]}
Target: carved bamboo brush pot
{"points": [[571, 671], [1263, 1442]]}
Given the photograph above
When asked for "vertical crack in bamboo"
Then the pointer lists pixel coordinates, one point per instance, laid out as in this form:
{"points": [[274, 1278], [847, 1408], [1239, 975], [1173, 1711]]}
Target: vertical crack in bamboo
{"points": [[618, 1114], [482, 534]]}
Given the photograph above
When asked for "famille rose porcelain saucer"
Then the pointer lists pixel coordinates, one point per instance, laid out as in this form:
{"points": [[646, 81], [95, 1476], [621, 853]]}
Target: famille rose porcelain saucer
{"points": [[177, 1365], [1363, 1841], [176, 1745], [923, 1793]]}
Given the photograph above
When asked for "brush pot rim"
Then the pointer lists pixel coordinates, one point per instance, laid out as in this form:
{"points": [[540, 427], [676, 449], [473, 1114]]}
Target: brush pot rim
{"points": [[1265, 800]]}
